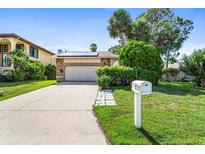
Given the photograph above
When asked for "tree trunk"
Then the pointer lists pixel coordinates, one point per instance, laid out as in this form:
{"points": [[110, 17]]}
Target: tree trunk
{"points": [[167, 60], [122, 39], [167, 64]]}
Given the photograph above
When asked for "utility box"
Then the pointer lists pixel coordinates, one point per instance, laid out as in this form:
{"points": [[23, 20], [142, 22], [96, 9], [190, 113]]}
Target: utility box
{"points": [[139, 88]]}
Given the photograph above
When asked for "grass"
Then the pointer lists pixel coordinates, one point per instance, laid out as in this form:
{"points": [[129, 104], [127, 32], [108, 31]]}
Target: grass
{"points": [[173, 114], [12, 89]]}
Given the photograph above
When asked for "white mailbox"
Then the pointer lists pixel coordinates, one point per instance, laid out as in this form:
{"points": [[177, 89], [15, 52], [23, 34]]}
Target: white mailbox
{"points": [[140, 88]]}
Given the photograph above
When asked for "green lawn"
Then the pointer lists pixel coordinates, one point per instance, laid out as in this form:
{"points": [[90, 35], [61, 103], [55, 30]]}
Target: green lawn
{"points": [[12, 89], [173, 114]]}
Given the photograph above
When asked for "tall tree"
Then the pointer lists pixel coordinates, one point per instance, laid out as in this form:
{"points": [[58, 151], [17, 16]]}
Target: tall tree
{"points": [[120, 25], [161, 28], [93, 47], [115, 49]]}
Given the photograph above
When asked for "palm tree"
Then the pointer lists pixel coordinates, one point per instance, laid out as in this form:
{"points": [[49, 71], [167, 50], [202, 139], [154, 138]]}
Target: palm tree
{"points": [[120, 25], [93, 47]]}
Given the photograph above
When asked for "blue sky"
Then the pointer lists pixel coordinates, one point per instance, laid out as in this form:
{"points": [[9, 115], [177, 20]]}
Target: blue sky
{"points": [[76, 29]]}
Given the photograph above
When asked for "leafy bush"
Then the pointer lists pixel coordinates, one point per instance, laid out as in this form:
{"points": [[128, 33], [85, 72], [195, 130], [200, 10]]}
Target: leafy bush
{"points": [[11, 76], [121, 75], [173, 71], [104, 81], [1, 92], [34, 70], [25, 68], [115, 49], [50, 72], [2, 78], [138, 54], [184, 79], [195, 65]]}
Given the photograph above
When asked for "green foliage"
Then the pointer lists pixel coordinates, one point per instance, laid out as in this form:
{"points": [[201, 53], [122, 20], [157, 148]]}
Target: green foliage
{"points": [[50, 72], [120, 25], [143, 25], [173, 114], [139, 54], [195, 65], [121, 75], [1, 92], [2, 78], [25, 68], [173, 71], [104, 81], [115, 49], [161, 28], [12, 89], [183, 79], [35, 70], [93, 47], [11, 76]]}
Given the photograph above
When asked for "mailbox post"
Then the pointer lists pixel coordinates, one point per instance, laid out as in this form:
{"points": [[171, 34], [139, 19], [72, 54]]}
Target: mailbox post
{"points": [[140, 88]]}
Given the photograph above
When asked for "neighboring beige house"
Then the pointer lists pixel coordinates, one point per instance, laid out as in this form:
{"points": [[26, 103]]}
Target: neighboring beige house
{"points": [[71, 66], [81, 66], [10, 41]]}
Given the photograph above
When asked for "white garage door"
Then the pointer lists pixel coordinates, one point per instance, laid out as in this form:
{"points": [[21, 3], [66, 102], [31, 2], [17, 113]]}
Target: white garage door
{"points": [[80, 73]]}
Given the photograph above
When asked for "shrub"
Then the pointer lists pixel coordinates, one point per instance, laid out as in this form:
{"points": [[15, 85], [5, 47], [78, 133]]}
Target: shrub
{"points": [[195, 65], [25, 68], [1, 92], [104, 81], [139, 54], [115, 49], [50, 72], [121, 75], [34, 70], [11, 76], [173, 71], [2, 78]]}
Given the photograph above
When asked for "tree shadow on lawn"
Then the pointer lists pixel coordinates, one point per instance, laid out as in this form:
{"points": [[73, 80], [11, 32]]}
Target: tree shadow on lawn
{"points": [[183, 90], [148, 136]]}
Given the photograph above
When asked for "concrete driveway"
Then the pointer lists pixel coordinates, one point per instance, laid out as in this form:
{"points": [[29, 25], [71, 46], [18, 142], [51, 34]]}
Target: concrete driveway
{"points": [[58, 114]]}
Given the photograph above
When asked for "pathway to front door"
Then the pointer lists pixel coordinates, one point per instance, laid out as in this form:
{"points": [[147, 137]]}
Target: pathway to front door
{"points": [[58, 114]]}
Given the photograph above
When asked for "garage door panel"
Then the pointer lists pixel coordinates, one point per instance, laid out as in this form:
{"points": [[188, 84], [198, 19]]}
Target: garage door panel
{"points": [[80, 73]]}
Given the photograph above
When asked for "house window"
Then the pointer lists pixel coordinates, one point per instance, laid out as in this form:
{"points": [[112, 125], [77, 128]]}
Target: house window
{"points": [[19, 46], [4, 48], [33, 52]]}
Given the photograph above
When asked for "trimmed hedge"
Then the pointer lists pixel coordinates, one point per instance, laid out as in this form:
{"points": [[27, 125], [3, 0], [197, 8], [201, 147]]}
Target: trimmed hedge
{"points": [[121, 75]]}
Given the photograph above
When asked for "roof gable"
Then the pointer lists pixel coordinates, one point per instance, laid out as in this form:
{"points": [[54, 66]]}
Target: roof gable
{"points": [[5, 35]]}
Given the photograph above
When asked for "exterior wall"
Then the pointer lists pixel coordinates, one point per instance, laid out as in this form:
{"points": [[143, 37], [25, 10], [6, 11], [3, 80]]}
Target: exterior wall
{"points": [[62, 63], [105, 62], [3, 69], [60, 69], [114, 61], [45, 57]]}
